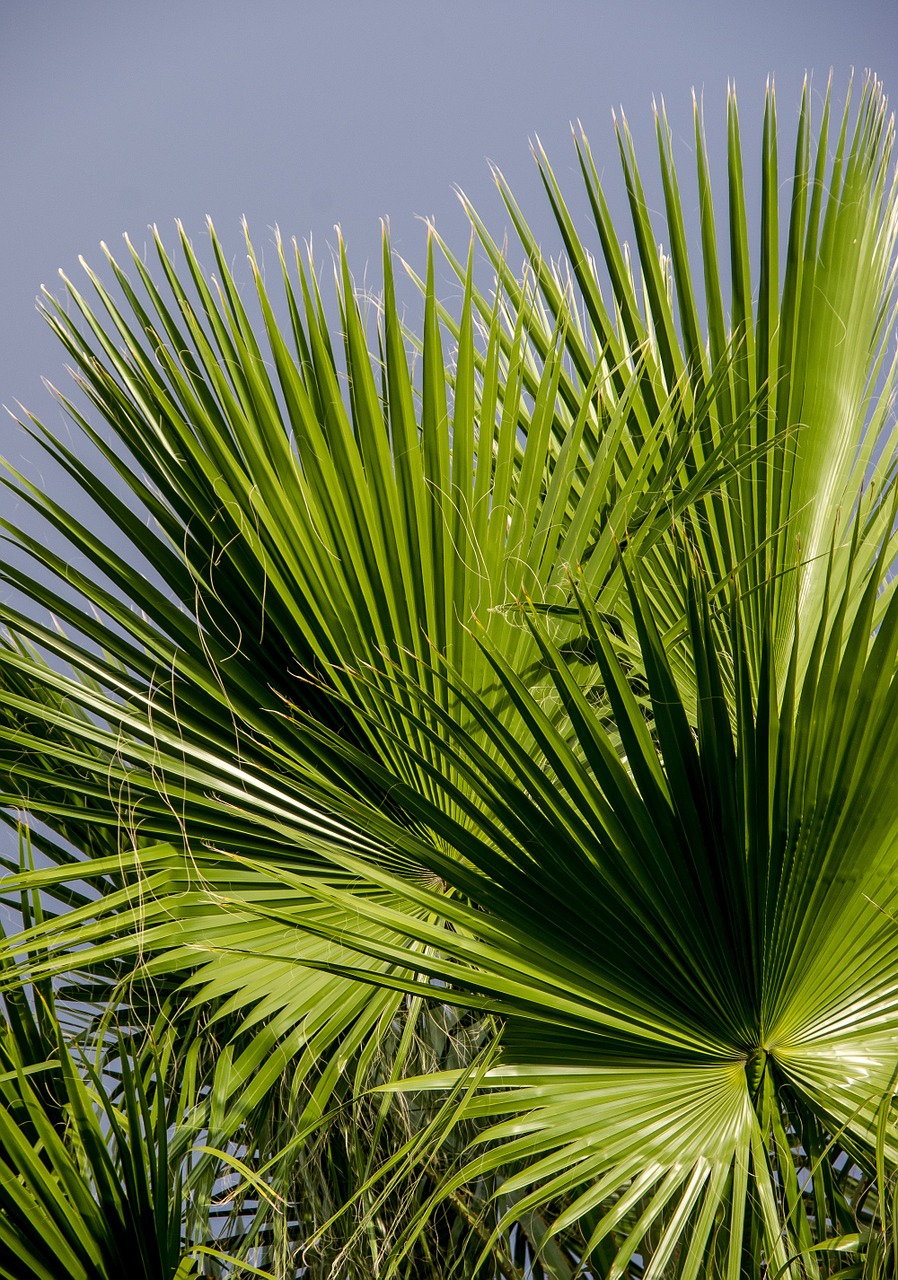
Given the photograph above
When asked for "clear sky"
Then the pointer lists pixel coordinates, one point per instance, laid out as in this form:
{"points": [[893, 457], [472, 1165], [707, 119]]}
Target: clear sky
{"points": [[304, 113]]}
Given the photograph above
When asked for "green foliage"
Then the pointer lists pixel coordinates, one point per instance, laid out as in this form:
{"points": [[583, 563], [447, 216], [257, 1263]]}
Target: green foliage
{"points": [[463, 795]]}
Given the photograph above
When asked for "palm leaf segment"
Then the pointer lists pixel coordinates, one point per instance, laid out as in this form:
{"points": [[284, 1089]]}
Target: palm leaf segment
{"points": [[653, 799]]}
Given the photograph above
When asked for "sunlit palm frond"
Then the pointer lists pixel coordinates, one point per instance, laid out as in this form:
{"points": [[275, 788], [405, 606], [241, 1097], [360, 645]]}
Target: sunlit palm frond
{"points": [[549, 677]]}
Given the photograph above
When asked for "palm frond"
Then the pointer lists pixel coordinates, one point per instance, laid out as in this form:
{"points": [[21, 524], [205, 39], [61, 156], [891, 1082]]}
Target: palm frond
{"points": [[541, 668]]}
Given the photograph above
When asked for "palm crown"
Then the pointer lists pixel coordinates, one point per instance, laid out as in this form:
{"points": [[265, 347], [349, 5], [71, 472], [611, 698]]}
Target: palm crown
{"points": [[466, 786]]}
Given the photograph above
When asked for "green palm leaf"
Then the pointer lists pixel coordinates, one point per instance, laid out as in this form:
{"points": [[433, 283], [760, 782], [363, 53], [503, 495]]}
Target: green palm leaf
{"points": [[553, 681]]}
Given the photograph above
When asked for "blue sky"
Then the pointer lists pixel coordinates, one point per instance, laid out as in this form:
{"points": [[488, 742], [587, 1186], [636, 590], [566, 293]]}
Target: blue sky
{"points": [[308, 113]]}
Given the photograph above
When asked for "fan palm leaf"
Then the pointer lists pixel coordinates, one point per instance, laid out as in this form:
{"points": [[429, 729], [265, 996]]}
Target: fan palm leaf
{"points": [[559, 675]]}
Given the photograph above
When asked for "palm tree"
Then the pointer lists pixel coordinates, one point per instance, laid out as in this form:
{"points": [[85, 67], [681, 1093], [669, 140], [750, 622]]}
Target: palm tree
{"points": [[461, 826]]}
